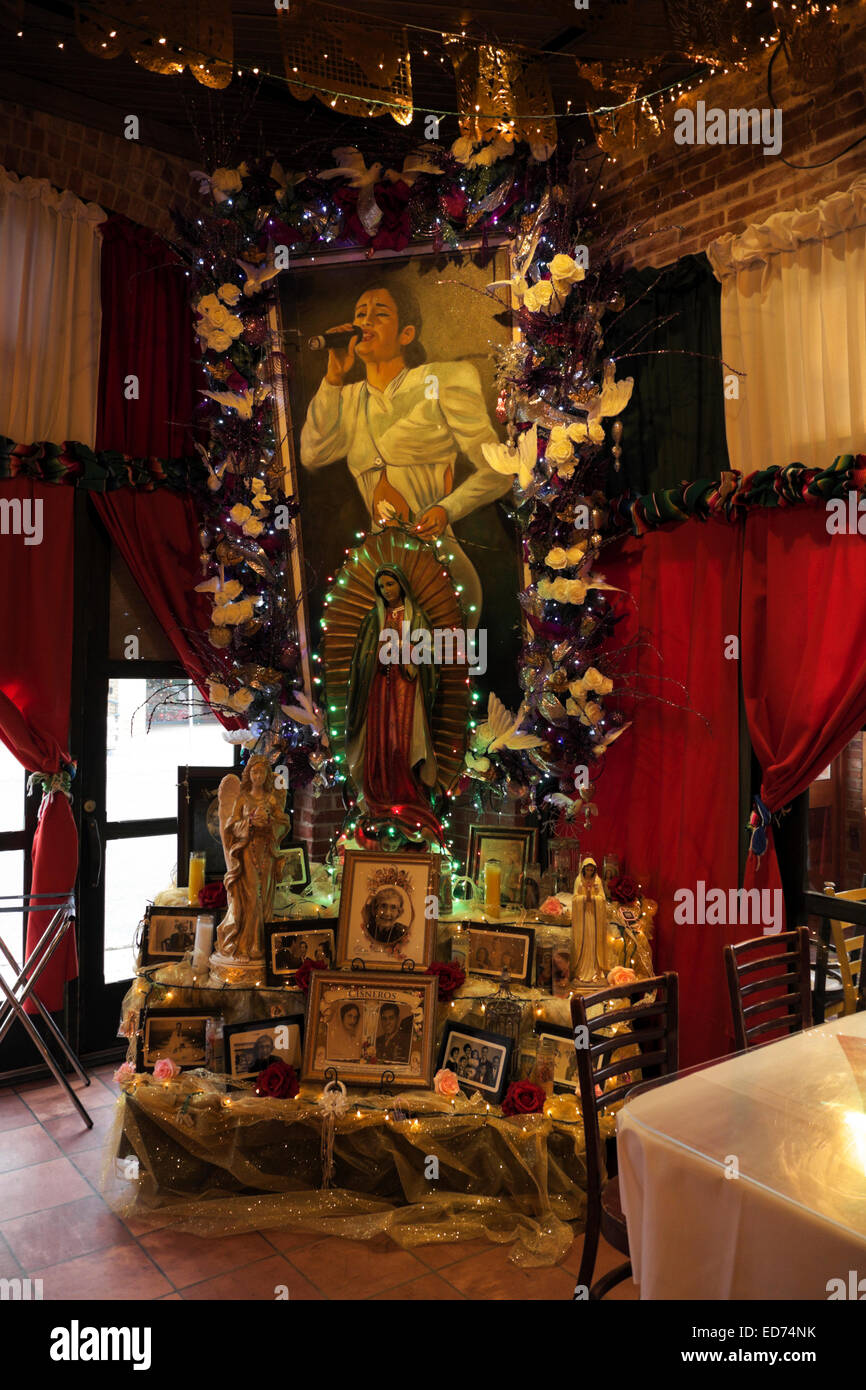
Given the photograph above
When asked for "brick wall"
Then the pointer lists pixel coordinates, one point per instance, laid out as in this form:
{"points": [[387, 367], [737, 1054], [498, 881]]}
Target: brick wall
{"points": [[319, 819], [683, 196], [121, 175]]}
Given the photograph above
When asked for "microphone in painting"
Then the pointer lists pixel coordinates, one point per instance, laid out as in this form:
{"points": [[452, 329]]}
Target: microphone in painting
{"points": [[338, 338]]}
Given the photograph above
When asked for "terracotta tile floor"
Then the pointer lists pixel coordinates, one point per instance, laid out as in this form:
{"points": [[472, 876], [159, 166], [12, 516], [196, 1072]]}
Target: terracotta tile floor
{"points": [[55, 1226]]}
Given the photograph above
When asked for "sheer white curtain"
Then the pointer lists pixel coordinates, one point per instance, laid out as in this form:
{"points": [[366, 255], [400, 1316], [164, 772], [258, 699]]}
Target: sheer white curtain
{"points": [[794, 319], [49, 312]]}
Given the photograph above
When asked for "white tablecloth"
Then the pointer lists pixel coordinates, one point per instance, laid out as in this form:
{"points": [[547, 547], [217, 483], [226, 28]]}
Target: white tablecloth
{"points": [[748, 1179]]}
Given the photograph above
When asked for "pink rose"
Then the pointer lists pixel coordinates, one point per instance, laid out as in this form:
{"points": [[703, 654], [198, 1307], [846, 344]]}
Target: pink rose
{"points": [[165, 1069], [621, 975], [552, 907], [445, 1083], [125, 1072]]}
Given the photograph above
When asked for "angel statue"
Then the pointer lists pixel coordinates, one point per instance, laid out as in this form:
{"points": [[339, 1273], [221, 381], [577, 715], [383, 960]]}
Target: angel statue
{"points": [[389, 706], [253, 822], [589, 924]]}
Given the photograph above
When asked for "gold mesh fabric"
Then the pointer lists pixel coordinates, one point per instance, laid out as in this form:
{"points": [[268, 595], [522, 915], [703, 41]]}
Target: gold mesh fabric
{"points": [[212, 1168], [198, 34], [501, 91], [361, 69]]}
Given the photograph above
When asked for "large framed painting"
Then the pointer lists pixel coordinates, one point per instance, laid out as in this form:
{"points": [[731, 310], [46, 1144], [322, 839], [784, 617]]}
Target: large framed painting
{"points": [[388, 402]]}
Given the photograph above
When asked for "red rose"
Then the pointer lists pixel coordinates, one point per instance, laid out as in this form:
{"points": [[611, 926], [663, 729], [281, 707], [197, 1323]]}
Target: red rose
{"points": [[625, 889], [305, 969], [394, 230], [213, 895], [278, 1080], [454, 203], [451, 977], [523, 1098]]}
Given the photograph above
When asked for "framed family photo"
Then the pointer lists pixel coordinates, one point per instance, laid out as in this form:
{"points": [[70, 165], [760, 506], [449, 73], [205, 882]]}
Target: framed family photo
{"points": [[513, 848], [494, 949], [368, 1022], [198, 826], [560, 1040], [479, 1059], [294, 869], [388, 908], [168, 933], [182, 1035], [289, 944], [251, 1046]]}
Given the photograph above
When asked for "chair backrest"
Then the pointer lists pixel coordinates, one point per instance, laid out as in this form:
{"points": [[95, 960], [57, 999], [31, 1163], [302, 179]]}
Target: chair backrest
{"points": [[848, 944], [769, 986], [647, 1015]]}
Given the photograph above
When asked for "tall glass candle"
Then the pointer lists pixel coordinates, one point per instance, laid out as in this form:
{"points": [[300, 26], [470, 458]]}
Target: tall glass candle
{"points": [[492, 887], [196, 876], [203, 943]]}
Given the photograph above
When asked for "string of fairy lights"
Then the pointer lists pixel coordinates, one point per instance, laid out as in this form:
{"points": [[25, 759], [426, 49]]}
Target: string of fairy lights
{"points": [[664, 94]]}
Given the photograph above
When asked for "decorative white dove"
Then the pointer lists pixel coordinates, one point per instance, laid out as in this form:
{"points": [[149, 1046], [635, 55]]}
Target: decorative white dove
{"points": [[500, 729], [307, 712], [257, 276], [243, 402], [518, 462], [352, 167]]}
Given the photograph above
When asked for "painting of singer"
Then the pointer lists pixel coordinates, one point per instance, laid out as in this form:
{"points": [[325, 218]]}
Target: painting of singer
{"points": [[392, 402]]}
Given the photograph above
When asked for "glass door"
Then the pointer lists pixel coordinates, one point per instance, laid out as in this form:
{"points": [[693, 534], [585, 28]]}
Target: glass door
{"points": [[142, 721]]}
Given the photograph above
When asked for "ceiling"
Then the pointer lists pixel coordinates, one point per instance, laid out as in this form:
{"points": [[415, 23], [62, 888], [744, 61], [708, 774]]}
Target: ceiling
{"points": [[48, 68]]}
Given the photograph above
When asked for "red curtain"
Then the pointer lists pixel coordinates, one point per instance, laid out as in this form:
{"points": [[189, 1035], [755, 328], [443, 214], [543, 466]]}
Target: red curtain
{"points": [[804, 653], [35, 675], [157, 535], [668, 797], [147, 332]]}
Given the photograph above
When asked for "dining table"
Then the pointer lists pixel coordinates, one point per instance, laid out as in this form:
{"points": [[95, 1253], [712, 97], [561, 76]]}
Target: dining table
{"points": [[745, 1178]]}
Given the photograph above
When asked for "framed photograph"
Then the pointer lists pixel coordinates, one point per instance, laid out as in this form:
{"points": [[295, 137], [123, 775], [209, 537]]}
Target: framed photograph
{"points": [[251, 1046], [198, 826], [494, 949], [514, 849], [479, 1059], [289, 944], [294, 870], [544, 968], [368, 1022], [168, 933], [179, 1034], [565, 1055], [385, 900], [426, 329]]}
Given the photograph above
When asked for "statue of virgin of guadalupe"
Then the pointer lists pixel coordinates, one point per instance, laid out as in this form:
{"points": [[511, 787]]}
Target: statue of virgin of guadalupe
{"points": [[589, 924], [389, 705], [253, 822]]}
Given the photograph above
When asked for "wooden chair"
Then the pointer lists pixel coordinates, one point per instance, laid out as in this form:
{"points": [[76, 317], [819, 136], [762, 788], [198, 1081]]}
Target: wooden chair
{"points": [[763, 967], [651, 1013], [848, 942]]}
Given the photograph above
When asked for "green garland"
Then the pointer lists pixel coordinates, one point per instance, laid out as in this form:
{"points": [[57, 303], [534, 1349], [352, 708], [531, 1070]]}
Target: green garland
{"points": [[733, 495], [101, 471]]}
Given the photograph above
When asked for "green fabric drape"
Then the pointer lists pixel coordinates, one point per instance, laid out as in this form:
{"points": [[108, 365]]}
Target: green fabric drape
{"points": [[674, 425]]}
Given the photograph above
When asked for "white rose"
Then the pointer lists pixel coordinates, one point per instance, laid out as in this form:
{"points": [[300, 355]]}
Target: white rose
{"points": [[538, 296], [229, 294], [556, 559], [559, 450]]}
